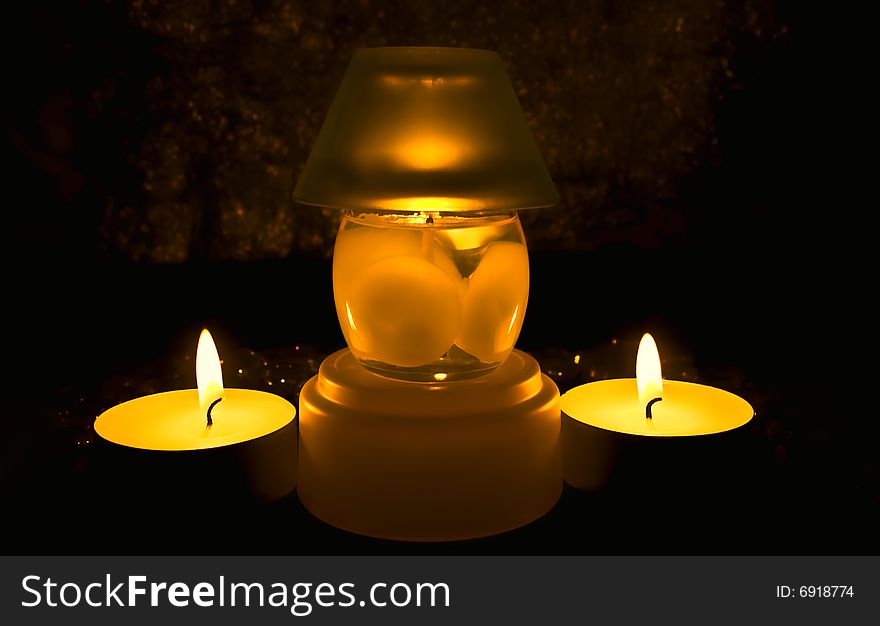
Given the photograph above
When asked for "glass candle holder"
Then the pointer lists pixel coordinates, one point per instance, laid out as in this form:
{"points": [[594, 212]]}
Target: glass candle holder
{"points": [[430, 296], [427, 153]]}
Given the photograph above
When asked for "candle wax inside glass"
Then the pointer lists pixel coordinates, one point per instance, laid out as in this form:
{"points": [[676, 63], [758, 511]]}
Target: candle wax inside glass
{"points": [[410, 292]]}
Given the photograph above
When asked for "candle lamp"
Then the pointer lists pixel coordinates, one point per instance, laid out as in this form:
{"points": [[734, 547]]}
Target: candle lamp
{"points": [[648, 428], [429, 425], [206, 445]]}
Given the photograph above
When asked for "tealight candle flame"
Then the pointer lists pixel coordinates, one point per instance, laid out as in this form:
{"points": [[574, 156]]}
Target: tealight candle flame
{"points": [[209, 375], [648, 375]]}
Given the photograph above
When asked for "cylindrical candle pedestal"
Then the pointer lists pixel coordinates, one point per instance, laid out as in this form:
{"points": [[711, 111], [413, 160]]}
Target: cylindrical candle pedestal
{"points": [[426, 461]]}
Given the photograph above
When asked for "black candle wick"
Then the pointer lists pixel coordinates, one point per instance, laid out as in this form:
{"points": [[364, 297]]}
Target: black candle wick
{"points": [[647, 408], [210, 408]]}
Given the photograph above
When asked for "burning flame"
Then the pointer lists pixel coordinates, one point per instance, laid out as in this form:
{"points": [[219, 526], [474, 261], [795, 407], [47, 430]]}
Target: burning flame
{"points": [[648, 375], [209, 376]]}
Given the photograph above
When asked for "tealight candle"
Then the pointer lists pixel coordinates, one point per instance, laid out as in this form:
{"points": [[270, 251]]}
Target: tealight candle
{"points": [[230, 437], [599, 417]]}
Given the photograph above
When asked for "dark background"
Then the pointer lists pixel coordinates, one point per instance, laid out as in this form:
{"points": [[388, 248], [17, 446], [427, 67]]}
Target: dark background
{"points": [[154, 150]]}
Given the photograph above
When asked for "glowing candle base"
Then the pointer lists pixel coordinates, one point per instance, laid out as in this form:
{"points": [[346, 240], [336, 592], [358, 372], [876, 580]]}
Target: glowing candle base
{"points": [[429, 462]]}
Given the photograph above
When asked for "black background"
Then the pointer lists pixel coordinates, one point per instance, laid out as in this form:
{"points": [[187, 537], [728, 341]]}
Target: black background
{"points": [[741, 296]]}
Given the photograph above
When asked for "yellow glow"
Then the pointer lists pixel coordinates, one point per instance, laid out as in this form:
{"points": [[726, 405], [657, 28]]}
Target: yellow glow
{"points": [[649, 378], [440, 376], [209, 375], [429, 203], [428, 152], [427, 81]]}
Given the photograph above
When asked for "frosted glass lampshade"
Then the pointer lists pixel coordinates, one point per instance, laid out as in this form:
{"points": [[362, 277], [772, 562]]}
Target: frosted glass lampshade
{"points": [[425, 129]]}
